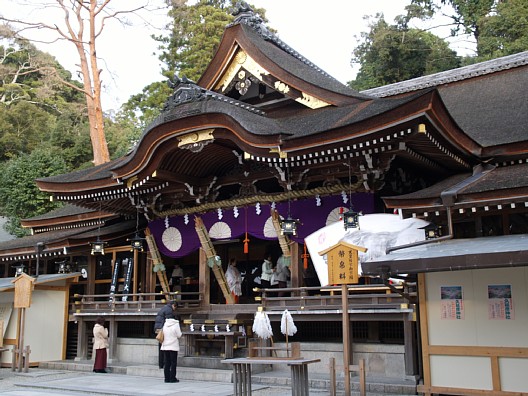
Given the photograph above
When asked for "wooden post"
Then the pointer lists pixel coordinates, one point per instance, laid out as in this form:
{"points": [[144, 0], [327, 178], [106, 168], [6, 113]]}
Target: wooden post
{"points": [[22, 314], [332, 377], [347, 356], [362, 375], [296, 269], [204, 279], [27, 351], [14, 358]]}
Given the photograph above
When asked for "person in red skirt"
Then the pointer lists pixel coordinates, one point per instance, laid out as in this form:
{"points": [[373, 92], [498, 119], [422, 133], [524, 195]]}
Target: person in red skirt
{"points": [[100, 344]]}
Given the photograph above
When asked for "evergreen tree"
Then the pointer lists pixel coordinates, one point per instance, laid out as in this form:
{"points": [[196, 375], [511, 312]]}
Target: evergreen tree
{"points": [[195, 32], [393, 53], [20, 196]]}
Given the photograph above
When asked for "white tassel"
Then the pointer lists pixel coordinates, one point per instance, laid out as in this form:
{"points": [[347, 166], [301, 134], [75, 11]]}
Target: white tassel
{"points": [[257, 208], [287, 325], [262, 326], [235, 212], [186, 219]]}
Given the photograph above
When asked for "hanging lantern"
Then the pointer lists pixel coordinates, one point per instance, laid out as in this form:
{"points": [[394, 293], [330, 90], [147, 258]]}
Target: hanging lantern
{"points": [[351, 219], [98, 247], [136, 243], [289, 226]]}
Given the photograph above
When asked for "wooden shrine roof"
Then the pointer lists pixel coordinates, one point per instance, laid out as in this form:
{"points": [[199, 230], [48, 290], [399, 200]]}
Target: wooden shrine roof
{"points": [[503, 183], [488, 100], [213, 137]]}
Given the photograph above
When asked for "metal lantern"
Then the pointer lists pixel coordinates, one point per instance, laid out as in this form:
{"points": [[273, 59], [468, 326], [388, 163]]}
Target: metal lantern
{"points": [[136, 243], [289, 226], [431, 230], [351, 219], [19, 269], [98, 247]]}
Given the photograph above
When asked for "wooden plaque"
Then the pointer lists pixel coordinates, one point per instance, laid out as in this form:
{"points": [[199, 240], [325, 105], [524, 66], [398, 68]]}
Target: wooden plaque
{"points": [[343, 263], [23, 289]]}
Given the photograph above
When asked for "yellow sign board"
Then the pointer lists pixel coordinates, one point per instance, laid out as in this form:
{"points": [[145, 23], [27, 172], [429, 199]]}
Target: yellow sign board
{"points": [[343, 263]]}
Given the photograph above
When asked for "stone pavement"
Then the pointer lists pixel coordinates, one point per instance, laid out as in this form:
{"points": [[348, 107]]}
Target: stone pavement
{"points": [[42, 382], [70, 378]]}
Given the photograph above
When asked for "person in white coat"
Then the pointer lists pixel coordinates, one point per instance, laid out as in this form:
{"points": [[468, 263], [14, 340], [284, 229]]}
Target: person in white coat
{"points": [[170, 347], [100, 334]]}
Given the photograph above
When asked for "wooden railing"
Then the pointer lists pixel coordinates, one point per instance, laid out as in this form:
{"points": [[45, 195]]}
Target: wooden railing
{"points": [[329, 298], [128, 303]]}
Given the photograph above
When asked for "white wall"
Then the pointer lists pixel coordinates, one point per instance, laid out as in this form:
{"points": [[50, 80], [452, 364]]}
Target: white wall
{"points": [[476, 329], [44, 328]]}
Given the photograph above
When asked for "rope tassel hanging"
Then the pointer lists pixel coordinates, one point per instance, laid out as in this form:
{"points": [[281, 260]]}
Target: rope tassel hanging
{"points": [[246, 240]]}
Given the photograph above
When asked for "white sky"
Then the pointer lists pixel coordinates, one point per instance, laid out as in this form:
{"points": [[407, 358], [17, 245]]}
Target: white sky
{"points": [[323, 32]]}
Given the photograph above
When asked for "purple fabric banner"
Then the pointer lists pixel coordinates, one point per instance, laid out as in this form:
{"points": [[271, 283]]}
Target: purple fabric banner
{"points": [[176, 236]]}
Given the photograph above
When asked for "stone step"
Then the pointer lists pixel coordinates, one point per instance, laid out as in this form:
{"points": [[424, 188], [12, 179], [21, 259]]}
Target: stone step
{"points": [[321, 381]]}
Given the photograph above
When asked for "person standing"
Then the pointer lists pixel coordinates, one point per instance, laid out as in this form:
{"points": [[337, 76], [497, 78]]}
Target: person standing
{"points": [[170, 347], [234, 280], [100, 344], [282, 273], [267, 272], [168, 311]]}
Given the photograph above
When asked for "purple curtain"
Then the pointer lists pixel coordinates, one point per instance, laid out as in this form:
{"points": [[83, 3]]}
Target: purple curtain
{"points": [[175, 238]]}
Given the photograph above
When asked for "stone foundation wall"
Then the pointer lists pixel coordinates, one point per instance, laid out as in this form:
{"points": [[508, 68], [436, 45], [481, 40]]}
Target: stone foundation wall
{"points": [[383, 360]]}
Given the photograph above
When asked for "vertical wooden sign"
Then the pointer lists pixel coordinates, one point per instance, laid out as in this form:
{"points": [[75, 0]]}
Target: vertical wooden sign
{"points": [[23, 288]]}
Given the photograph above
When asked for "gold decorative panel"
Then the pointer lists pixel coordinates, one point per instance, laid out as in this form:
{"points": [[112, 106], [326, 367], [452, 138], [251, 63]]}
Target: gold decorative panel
{"points": [[241, 60], [195, 137]]}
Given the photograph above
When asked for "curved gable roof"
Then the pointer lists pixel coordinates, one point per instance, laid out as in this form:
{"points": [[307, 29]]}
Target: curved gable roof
{"points": [[249, 34]]}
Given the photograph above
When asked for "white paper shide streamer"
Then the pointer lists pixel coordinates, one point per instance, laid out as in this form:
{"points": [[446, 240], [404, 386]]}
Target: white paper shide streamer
{"points": [[287, 326], [262, 325]]}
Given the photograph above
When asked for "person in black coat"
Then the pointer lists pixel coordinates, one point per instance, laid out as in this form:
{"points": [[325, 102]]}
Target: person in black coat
{"points": [[166, 312]]}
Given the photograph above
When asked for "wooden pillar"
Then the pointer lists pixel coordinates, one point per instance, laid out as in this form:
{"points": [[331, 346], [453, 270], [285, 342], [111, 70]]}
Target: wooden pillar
{"points": [[135, 274], [424, 332], [204, 279], [347, 339], [409, 345], [90, 289], [296, 270], [82, 342]]}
